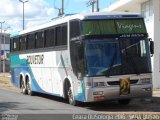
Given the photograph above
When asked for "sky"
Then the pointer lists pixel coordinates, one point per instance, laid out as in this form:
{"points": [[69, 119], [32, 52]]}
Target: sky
{"points": [[39, 11]]}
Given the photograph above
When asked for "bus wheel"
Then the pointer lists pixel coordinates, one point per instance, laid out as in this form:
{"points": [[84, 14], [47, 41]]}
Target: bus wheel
{"points": [[29, 89], [124, 102], [71, 98], [23, 89]]}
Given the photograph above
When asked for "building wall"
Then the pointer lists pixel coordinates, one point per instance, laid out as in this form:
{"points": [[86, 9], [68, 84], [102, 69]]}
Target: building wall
{"points": [[156, 38], [4, 46]]}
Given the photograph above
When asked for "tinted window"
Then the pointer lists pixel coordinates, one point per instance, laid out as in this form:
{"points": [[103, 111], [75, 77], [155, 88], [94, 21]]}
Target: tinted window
{"points": [[40, 40], [77, 57], [64, 35], [50, 37], [16, 44], [58, 36], [74, 29], [31, 41], [23, 42], [61, 35]]}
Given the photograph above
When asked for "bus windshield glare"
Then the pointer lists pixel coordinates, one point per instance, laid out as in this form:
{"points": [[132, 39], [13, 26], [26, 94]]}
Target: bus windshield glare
{"points": [[108, 57]]}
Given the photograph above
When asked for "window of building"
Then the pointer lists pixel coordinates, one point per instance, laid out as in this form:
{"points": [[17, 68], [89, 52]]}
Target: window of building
{"points": [[147, 9], [7, 39], [58, 36]]}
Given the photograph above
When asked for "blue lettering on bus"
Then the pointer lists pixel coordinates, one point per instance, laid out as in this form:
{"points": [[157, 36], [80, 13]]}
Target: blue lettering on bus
{"points": [[35, 59]]}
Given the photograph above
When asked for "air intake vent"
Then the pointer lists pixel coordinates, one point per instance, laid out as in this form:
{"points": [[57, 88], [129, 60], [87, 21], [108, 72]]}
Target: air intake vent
{"points": [[118, 82]]}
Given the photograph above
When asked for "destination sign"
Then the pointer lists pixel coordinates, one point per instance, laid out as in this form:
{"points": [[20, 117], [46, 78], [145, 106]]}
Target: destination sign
{"points": [[113, 27]]}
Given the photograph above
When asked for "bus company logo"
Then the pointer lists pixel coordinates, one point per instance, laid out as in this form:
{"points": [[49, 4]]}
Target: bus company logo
{"points": [[129, 27], [124, 86], [35, 59]]}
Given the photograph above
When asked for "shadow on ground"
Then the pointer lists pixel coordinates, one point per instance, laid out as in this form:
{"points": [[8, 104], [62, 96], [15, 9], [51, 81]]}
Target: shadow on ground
{"points": [[136, 105], [6, 106]]}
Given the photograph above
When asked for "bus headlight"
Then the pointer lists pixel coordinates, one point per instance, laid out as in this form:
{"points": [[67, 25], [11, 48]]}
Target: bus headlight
{"points": [[98, 93], [99, 84], [146, 80]]}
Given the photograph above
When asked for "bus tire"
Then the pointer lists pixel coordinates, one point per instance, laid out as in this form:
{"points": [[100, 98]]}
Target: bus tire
{"points": [[124, 102], [22, 87], [29, 88], [71, 99]]}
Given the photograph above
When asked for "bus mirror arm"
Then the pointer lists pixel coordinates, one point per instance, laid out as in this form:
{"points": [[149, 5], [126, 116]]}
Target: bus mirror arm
{"points": [[79, 76], [151, 46]]}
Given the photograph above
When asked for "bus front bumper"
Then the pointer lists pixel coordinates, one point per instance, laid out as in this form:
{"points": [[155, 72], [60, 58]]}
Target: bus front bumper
{"points": [[113, 93]]}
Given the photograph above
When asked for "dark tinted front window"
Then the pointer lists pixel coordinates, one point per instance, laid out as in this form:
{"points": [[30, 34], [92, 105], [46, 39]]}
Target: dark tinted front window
{"points": [[117, 57], [77, 57], [74, 28]]}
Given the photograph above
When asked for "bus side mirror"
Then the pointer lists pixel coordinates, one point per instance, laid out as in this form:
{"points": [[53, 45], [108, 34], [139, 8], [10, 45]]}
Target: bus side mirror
{"points": [[151, 46]]}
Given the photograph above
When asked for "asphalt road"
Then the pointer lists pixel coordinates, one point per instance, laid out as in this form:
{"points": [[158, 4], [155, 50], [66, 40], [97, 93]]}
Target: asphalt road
{"points": [[16, 103]]}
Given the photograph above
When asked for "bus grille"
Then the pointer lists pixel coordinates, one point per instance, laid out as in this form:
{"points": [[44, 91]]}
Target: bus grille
{"points": [[118, 82]]}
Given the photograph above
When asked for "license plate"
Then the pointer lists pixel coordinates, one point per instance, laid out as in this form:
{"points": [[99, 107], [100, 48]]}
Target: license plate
{"points": [[124, 86]]}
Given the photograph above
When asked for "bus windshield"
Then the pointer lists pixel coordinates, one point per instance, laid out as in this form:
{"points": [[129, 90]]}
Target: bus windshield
{"points": [[106, 57], [116, 26]]}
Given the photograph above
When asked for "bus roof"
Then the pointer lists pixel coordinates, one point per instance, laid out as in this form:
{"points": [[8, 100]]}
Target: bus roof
{"points": [[83, 16]]}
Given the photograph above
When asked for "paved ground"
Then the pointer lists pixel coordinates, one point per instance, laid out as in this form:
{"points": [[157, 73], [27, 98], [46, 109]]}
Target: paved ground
{"points": [[12, 101]]}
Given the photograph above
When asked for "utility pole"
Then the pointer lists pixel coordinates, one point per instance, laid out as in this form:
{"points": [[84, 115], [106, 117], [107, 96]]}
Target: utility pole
{"points": [[62, 7], [92, 6], [1, 44], [23, 2], [91, 3], [98, 6], [60, 10]]}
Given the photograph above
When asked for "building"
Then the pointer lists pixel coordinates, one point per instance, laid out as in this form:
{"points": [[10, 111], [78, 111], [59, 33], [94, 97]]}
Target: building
{"points": [[150, 9], [4, 51]]}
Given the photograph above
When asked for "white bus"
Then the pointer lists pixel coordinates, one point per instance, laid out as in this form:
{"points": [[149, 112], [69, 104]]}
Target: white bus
{"points": [[84, 58]]}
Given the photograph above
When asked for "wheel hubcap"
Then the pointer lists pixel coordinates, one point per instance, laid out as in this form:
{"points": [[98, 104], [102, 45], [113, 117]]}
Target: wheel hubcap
{"points": [[70, 95]]}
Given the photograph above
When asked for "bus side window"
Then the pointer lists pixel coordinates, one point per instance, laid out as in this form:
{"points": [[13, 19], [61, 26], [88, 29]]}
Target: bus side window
{"points": [[64, 34], [50, 37], [77, 58], [74, 29], [23, 42], [58, 36], [16, 44], [39, 39], [31, 41]]}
